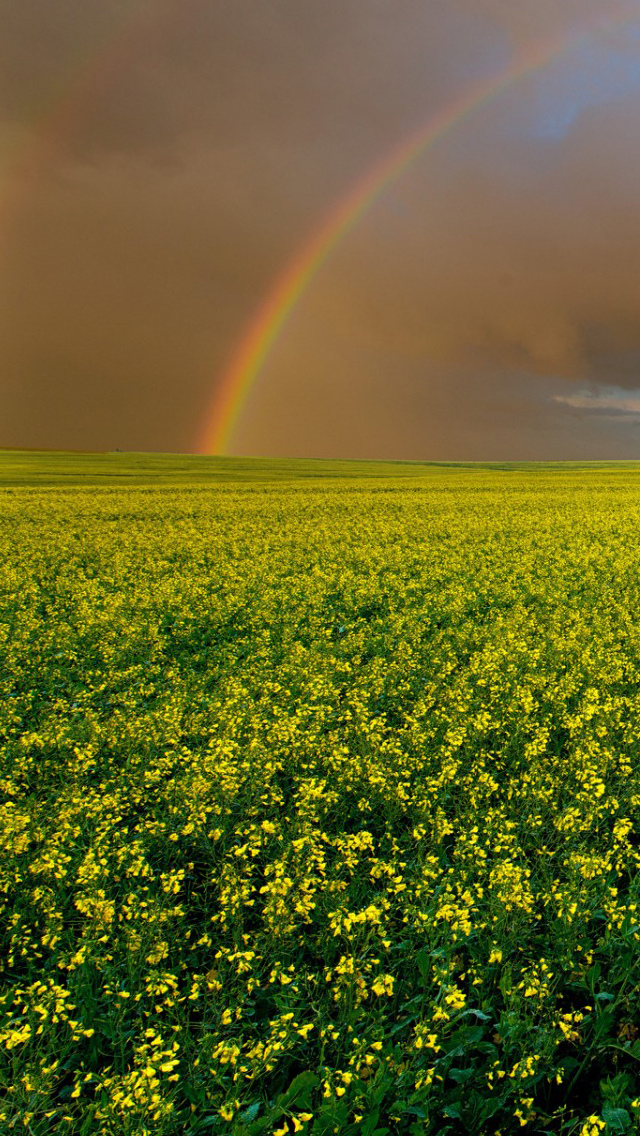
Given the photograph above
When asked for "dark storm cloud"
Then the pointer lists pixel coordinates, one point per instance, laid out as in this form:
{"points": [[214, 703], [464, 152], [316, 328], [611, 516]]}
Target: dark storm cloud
{"points": [[173, 157], [521, 261], [160, 74]]}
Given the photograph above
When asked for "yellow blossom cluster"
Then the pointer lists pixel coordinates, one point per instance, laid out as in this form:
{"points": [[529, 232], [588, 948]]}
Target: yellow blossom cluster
{"points": [[320, 804]]}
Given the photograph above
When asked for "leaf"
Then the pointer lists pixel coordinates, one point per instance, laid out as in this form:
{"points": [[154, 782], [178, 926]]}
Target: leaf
{"points": [[463, 1038], [265, 1122], [488, 1048], [477, 1013], [452, 1111], [617, 1119], [299, 1091], [568, 1064], [370, 1122], [251, 1112], [490, 1108], [422, 959], [460, 1075], [194, 1094], [416, 1110], [438, 952], [402, 1025], [593, 975], [604, 1024], [506, 982], [338, 1116]]}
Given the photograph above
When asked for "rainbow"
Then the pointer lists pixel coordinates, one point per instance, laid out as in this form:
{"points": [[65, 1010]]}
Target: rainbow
{"points": [[268, 321], [70, 100]]}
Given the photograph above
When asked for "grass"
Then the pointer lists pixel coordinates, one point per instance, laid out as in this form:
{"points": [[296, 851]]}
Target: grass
{"points": [[320, 797], [43, 468], [25, 467]]}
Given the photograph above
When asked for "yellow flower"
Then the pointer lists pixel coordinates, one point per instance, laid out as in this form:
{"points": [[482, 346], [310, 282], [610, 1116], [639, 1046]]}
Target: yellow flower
{"points": [[592, 1126], [383, 985], [300, 1120]]}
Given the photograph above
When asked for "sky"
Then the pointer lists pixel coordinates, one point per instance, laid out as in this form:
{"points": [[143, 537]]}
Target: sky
{"points": [[165, 161]]}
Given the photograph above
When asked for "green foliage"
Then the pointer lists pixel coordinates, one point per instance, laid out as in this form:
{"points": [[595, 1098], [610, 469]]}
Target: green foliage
{"points": [[320, 802]]}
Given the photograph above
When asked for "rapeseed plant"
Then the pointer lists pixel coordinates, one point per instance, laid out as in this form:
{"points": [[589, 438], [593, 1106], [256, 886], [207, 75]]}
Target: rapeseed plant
{"points": [[320, 807]]}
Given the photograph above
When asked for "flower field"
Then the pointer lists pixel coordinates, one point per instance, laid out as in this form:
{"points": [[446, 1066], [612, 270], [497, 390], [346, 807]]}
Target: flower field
{"points": [[320, 805]]}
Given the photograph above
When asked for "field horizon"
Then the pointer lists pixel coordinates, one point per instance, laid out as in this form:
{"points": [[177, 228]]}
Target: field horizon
{"points": [[23, 467]]}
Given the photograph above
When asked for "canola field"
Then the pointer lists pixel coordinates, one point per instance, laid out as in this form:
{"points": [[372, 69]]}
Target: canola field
{"points": [[320, 801]]}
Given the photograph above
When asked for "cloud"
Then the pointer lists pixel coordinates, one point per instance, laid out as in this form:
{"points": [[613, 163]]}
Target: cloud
{"points": [[523, 260], [601, 401], [174, 158]]}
